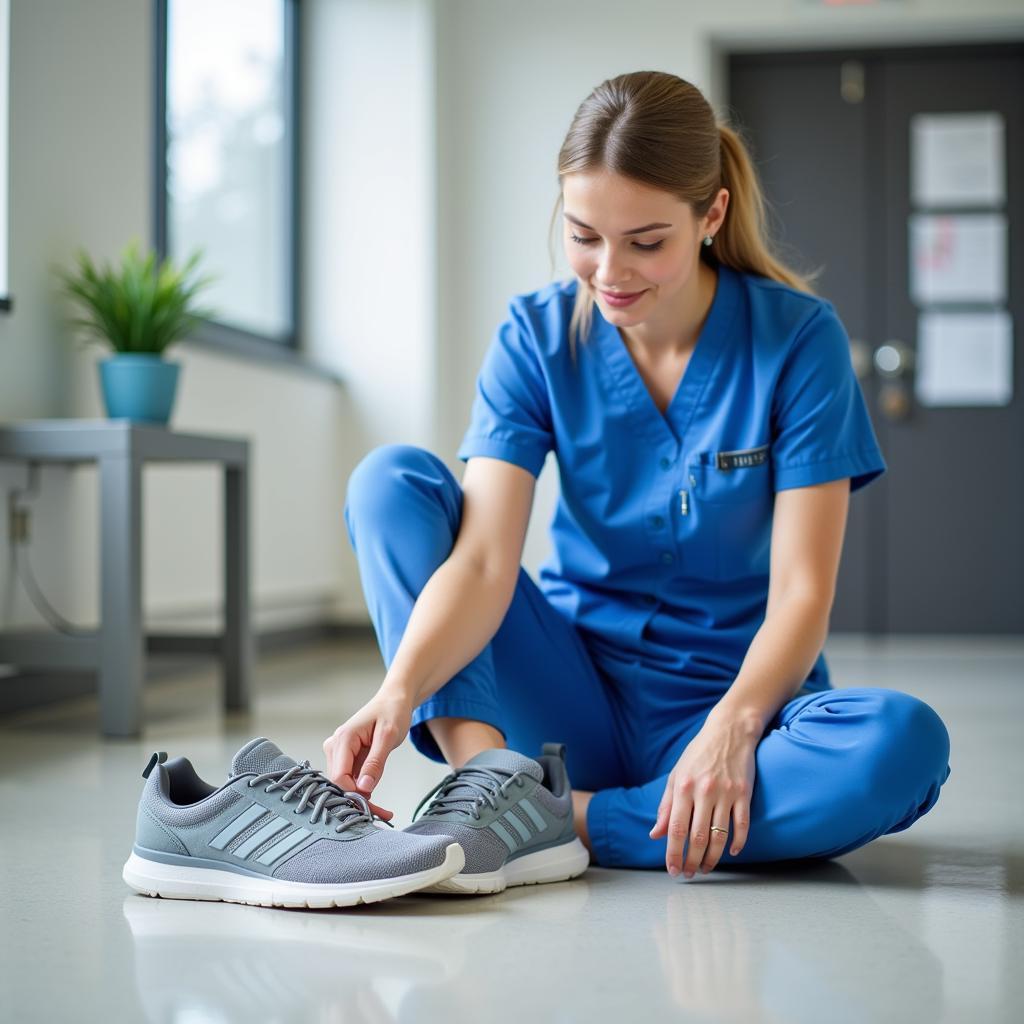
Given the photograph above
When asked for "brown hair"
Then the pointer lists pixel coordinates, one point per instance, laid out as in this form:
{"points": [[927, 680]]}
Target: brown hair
{"points": [[659, 130]]}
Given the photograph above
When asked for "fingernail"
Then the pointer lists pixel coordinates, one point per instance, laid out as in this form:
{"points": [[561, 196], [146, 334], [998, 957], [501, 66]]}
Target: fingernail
{"points": [[365, 782], [673, 870]]}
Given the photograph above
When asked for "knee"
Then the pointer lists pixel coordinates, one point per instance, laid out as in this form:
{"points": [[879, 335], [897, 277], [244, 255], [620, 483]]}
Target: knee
{"points": [[912, 740], [382, 473], [920, 728]]}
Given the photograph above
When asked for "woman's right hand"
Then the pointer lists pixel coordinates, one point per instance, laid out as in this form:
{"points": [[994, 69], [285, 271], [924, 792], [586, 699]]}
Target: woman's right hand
{"points": [[357, 750]]}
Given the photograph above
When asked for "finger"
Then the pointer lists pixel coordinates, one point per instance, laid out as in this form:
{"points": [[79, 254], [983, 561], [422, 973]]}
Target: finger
{"points": [[339, 760], [716, 842], [740, 824], [380, 811], [678, 827], [699, 832], [373, 766], [664, 808], [359, 760]]}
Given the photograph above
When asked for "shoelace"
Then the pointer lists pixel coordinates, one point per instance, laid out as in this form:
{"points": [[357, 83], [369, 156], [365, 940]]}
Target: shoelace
{"points": [[347, 808], [482, 780]]}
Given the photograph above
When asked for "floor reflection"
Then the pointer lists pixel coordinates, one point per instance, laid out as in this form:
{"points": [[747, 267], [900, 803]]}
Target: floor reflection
{"points": [[724, 947]]}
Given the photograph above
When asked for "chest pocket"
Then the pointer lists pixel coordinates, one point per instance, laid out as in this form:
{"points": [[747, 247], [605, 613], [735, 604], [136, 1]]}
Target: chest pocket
{"points": [[732, 500]]}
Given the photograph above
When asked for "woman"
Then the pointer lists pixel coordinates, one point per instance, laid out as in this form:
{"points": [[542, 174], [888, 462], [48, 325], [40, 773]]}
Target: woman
{"points": [[709, 429]]}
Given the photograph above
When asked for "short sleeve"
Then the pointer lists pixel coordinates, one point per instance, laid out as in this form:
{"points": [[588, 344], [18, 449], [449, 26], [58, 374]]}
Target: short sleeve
{"points": [[821, 426], [511, 413]]}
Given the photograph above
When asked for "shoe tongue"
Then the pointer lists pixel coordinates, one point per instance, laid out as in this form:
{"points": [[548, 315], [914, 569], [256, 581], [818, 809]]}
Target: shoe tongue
{"points": [[260, 755], [464, 792], [508, 761]]}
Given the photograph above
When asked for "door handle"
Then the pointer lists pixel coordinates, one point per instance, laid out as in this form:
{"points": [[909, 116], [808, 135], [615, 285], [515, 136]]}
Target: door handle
{"points": [[893, 360]]}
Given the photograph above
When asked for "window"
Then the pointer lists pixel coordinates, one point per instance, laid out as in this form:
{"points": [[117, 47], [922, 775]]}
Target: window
{"points": [[227, 160]]}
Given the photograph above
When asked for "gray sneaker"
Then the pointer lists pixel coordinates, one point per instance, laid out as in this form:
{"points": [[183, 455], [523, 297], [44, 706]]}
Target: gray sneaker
{"points": [[276, 834], [513, 817]]}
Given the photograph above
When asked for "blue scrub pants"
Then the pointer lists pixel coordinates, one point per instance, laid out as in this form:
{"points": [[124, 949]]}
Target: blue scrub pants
{"points": [[834, 769]]}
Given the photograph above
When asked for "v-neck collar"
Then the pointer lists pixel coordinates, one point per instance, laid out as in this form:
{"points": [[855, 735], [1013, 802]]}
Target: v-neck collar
{"points": [[647, 418]]}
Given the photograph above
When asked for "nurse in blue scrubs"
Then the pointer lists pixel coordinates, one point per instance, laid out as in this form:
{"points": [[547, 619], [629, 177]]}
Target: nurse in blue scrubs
{"points": [[708, 430]]}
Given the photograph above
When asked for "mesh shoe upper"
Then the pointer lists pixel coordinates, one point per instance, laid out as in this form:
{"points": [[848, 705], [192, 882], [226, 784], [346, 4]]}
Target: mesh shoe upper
{"points": [[498, 807], [293, 824]]}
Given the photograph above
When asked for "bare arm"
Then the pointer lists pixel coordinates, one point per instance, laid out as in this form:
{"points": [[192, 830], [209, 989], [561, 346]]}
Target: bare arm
{"points": [[462, 605], [458, 611], [807, 540], [455, 615]]}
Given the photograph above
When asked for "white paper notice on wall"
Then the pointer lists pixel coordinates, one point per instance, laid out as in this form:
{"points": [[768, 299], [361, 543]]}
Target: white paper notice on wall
{"points": [[958, 258], [957, 159], [964, 358]]}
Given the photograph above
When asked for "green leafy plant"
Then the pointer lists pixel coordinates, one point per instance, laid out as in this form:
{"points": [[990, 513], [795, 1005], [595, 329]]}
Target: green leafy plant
{"points": [[139, 306]]}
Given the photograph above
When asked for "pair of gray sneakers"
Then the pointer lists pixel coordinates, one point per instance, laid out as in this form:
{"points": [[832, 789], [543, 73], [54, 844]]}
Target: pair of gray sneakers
{"points": [[279, 833]]}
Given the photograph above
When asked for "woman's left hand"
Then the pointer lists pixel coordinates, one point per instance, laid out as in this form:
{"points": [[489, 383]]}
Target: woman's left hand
{"points": [[713, 779]]}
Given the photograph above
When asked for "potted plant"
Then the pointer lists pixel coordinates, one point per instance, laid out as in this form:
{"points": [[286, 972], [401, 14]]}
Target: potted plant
{"points": [[139, 309]]}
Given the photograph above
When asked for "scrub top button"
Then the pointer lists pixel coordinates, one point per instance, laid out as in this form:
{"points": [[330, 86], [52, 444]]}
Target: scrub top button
{"points": [[665, 462], [667, 558], [658, 520]]}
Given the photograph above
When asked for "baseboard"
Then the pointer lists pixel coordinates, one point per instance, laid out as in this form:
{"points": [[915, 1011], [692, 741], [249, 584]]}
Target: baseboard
{"points": [[33, 688]]}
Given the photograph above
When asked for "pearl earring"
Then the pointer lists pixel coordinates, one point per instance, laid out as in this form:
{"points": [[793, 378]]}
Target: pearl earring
{"points": [[707, 239]]}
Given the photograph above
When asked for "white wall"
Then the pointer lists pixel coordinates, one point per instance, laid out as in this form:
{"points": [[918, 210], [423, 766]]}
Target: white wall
{"points": [[432, 129], [370, 280], [369, 192]]}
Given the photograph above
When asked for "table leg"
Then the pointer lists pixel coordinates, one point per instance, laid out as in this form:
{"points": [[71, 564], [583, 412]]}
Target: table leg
{"points": [[122, 641], [238, 641]]}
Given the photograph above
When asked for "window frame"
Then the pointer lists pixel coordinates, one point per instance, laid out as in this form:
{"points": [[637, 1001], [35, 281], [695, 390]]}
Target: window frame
{"points": [[212, 333], [6, 302]]}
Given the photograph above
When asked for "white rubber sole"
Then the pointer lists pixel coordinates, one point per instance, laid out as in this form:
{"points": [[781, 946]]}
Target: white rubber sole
{"points": [[178, 882], [557, 864]]}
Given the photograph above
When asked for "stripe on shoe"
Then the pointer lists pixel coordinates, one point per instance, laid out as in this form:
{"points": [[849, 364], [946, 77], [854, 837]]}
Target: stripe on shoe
{"points": [[533, 813], [274, 825], [503, 834], [513, 819], [237, 826], [511, 829], [271, 828], [280, 848]]}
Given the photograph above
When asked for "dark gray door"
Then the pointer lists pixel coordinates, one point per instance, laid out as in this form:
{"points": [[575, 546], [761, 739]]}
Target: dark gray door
{"points": [[935, 545]]}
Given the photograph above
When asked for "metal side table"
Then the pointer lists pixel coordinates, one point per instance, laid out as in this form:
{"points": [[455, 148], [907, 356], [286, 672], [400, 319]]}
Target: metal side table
{"points": [[118, 648]]}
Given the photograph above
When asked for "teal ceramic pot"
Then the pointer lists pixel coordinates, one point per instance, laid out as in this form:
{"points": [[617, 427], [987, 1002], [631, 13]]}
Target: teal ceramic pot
{"points": [[138, 386]]}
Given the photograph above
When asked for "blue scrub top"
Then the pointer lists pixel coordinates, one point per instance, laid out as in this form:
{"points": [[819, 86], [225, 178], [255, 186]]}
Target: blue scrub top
{"points": [[662, 531]]}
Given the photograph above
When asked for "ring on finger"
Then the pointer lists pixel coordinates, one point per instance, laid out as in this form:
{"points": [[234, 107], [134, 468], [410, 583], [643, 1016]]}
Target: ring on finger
{"points": [[713, 829]]}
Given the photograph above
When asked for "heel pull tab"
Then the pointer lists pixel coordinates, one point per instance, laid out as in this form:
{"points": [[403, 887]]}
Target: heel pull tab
{"points": [[160, 756], [554, 750]]}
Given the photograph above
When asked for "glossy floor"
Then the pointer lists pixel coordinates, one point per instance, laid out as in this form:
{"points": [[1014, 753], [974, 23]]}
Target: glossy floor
{"points": [[924, 925]]}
